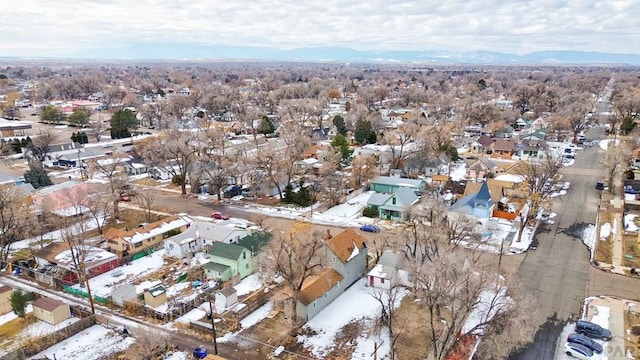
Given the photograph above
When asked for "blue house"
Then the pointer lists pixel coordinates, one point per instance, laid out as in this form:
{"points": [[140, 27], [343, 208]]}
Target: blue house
{"points": [[391, 184], [479, 206]]}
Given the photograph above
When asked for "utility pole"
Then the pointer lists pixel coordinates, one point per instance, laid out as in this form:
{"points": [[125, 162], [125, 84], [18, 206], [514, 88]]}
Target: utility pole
{"points": [[213, 327]]}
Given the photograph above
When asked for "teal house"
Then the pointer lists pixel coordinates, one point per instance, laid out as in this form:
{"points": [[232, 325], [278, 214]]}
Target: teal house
{"points": [[228, 261], [391, 184], [394, 207]]}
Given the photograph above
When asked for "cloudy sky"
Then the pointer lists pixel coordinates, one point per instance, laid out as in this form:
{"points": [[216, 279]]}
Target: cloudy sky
{"points": [[65, 27]]}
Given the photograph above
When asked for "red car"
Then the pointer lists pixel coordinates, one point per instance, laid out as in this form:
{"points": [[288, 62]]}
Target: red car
{"points": [[220, 215], [125, 198]]}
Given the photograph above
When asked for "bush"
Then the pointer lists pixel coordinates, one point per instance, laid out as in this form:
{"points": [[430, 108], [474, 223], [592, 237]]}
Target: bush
{"points": [[370, 212]]}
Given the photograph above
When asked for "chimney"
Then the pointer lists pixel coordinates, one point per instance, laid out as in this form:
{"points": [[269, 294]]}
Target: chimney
{"points": [[328, 235]]}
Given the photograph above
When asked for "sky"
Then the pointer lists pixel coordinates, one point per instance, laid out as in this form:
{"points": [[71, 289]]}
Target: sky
{"points": [[66, 27]]}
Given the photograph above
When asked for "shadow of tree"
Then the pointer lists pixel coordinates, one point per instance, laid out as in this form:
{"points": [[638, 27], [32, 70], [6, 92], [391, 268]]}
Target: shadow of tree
{"points": [[544, 341]]}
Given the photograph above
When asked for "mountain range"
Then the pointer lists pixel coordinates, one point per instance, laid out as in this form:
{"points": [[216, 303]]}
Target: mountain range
{"points": [[184, 51]]}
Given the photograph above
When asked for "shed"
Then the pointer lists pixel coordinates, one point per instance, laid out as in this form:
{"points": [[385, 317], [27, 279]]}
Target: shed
{"points": [[122, 293], [50, 310], [155, 296], [5, 303], [225, 298]]}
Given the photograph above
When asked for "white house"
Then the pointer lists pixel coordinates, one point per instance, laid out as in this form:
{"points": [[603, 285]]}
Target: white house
{"points": [[200, 234], [391, 270]]}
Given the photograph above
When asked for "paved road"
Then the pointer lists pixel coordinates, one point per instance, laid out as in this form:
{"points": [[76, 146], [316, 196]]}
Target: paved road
{"points": [[557, 273]]}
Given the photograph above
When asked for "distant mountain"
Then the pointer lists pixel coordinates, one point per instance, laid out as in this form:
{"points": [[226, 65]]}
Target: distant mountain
{"points": [[181, 51]]}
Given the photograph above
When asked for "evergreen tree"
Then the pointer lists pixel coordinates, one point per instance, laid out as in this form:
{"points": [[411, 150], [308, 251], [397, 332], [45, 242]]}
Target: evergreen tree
{"points": [[341, 127], [18, 302], [267, 126], [122, 123], [340, 143], [289, 195], [36, 176]]}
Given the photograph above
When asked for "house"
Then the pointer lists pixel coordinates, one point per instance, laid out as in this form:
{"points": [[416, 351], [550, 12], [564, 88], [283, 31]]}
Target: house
{"points": [[228, 261], [397, 206], [347, 254], [390, 271], [135, 167], [96, 260], [125, 242], [124, 293], [5, 303], [199, 235], [376, 200], [390, 184], [317, 292], [478, 206], [155, 296], [505, 132], [51, 311], [159, 173], [10, 128], [530, 149], [503, 148], [70, 198], [225, 298], [481, 169]]}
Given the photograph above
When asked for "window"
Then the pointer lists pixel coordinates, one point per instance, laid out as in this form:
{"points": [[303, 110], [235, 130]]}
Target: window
{"points": [[381, 280], [393, 201], [244, 254], [315, 304]]}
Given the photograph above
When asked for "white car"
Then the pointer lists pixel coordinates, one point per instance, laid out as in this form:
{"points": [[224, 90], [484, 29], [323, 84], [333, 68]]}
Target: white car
{"points": [[578, 351]]}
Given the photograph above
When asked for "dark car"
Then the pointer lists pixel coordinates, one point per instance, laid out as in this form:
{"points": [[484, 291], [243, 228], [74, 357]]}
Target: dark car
{"points": [[220, 215], [599, 185], [592, 330], [586, 342], [370, 228]]}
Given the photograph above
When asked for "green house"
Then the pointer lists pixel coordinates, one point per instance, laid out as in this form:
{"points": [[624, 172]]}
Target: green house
{"points": [[228, 261], [391, 184]]}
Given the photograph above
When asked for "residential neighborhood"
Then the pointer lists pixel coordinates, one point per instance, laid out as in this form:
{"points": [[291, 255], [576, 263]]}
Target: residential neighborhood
{"points": [[402, 213]]}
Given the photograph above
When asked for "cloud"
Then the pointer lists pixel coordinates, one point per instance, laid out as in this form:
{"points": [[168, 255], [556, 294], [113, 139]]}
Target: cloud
{"points": [[62, 27]]}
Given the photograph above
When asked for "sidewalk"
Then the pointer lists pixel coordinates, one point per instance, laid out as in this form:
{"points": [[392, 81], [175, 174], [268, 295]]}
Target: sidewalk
{"points": [[617, 209], [610, 311]]}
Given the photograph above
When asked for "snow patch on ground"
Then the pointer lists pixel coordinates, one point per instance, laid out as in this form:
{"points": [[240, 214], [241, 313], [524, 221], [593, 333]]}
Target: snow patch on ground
{"points": [[357, 303], [93, 343], [253, 318], [629, 223], [249, 284], [605, 231], [589, 239]]}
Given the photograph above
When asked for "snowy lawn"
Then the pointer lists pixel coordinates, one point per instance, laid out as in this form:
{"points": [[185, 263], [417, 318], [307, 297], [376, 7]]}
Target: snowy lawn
{"points": [[356, 303], [12, 316], [629, 222], [93, 343], [249, 284], [253, 318], [104, 284]]}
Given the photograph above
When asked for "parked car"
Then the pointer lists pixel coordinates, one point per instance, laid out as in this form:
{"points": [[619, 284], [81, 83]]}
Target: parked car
{"points": [[370, 228], [125, 198], [578, 351], [599, 185], [200, 353], [592, 330], [220, 215], [586, 342]]}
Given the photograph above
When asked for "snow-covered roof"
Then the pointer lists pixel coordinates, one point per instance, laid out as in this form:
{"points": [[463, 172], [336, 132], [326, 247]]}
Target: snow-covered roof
{"points": [[93, 256], [71, 211], [162, 228]]}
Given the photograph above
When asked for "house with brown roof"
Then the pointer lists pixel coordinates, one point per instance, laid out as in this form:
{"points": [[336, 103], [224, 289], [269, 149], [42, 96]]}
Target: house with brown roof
{"points": [[51, 311], [97, 261], [503, 149], [347, 254], [125, 242], [5, 303], [480, 169], [317, 292]]}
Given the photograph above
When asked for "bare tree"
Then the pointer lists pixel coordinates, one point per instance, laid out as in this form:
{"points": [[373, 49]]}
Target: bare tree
{"points": [[149, 344], [175, 151], [146, 200], [14, 224], [389, 319], [536, 178], [74, 233], [111, 169], [100, 206], [41, 145], [615, 162], [295, 255], [574, 110], [463, 299], [363, 169], [398, 142]]}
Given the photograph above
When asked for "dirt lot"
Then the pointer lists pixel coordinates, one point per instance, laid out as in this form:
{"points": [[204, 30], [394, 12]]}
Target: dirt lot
{"points": [[632, 341]]}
